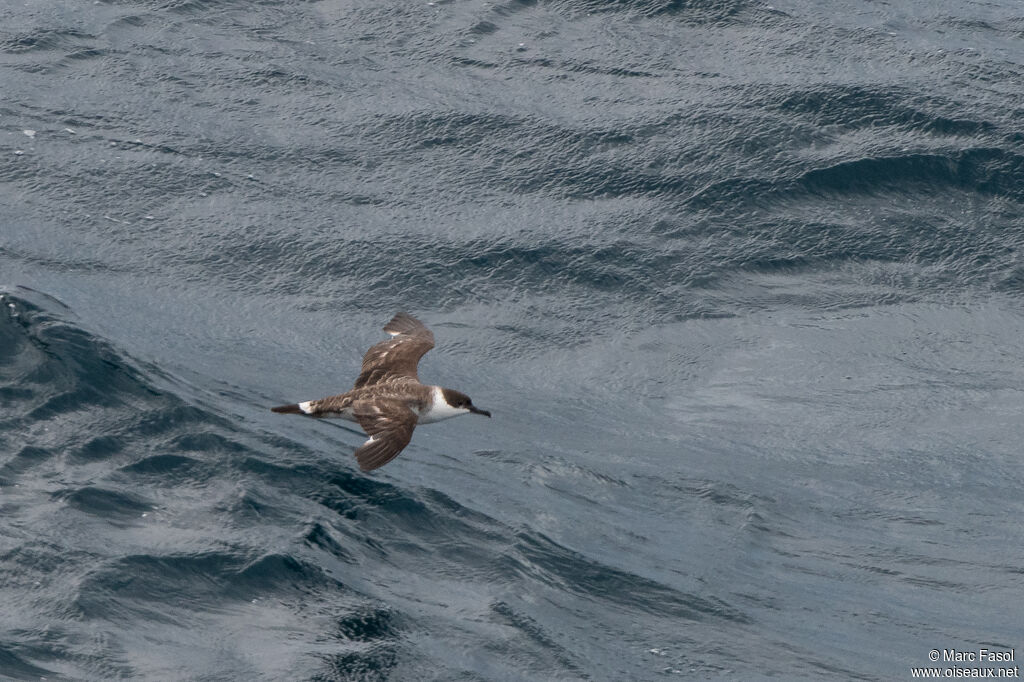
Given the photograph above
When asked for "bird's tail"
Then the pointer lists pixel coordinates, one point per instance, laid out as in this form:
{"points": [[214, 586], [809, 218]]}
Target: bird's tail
{"points": [[287, 409]]}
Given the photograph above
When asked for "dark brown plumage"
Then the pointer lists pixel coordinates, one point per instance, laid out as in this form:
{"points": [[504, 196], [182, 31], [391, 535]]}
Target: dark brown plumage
{"points": [[388, 400]]}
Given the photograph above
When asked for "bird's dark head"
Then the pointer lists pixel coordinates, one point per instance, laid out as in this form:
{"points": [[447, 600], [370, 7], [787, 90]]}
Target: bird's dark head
{"points": [[461, 401]]}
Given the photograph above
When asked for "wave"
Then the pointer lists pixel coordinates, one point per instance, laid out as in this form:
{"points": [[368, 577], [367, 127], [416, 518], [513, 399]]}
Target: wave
{"points": [[136, 507]]}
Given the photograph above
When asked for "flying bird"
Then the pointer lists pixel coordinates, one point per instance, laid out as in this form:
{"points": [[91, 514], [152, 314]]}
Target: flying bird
{"points": [[388, 400]]}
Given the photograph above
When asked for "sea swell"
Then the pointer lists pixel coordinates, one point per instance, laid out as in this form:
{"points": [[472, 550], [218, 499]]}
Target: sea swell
{"points": [[135, 507]]}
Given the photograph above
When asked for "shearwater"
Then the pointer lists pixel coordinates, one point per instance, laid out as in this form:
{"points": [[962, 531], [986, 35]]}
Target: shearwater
{"points": [[388, 400]]}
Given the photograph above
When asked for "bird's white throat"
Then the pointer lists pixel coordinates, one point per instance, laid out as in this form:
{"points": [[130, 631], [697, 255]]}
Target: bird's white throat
{"points": [[439, 409]]}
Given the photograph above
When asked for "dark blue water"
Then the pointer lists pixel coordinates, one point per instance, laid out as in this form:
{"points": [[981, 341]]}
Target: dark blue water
{"points": [[741, 282]]}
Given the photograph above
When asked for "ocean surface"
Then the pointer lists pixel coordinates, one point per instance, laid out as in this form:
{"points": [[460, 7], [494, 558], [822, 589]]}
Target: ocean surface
{"points": [[741, 283]]}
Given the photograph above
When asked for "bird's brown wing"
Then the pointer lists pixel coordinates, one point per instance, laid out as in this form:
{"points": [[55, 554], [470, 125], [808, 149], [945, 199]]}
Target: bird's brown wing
{"points": [[389, 423], [399, 356]]}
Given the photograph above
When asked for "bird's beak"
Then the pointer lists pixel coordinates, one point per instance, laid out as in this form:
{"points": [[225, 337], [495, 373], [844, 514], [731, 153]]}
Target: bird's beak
{"points": [[477, 410]]}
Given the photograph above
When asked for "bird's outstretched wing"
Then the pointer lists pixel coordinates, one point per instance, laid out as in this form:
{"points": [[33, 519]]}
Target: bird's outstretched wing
{"points": [[389, 424], [398, 356]]}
